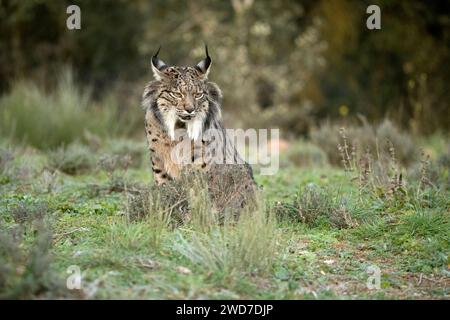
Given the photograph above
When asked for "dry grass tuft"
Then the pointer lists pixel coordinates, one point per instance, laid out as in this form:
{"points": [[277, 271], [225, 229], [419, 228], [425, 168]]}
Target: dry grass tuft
{"points": [[314, 206], [248, 246], [201, 197]]}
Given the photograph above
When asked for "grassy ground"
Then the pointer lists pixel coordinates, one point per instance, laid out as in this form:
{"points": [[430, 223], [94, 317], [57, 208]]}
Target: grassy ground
{"points": [[58, 211]]}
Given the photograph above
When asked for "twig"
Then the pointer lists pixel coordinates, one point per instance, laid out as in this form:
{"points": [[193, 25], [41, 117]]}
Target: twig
{"points": [[429, 279]]}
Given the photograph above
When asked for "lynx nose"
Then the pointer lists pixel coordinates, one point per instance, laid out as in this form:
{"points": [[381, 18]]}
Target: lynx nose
{"points": [[189, 109]]}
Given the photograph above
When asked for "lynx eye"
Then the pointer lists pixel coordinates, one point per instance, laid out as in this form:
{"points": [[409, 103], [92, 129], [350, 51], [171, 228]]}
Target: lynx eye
{"points": [[198, 95], [176, 95]]}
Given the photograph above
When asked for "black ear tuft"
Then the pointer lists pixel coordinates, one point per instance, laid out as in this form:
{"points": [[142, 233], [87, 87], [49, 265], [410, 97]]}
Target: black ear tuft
{"points": [[158, 63], [158, 66], [206, 51], [204, 65], [157, 52]]}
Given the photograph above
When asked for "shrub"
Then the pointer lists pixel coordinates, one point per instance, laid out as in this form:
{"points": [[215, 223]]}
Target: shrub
{"points": [[406, 150], [382, 178], [168, 202], [136, 151], [306, 155], [25, 257], [198, 197], [73, 159], [377, 139], [434, 173], [25, 213], [46, 121], [314, 206]]}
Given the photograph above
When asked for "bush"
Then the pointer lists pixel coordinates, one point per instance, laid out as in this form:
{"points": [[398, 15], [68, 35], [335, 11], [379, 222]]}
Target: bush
{"points": [[136, 151], [73, 159], [406, 150], [25, 257], [377, 139], [434, 173], [314, 206], [200, 198], [28, 114], [306, 155]]}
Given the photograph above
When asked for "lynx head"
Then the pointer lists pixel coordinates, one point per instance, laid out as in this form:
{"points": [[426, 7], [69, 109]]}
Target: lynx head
{"points": [[183, 96]]}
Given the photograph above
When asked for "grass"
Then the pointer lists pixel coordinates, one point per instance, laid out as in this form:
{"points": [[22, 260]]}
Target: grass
{"points": [[248, 246], [71, 197], [28, 114], [329, 231]]}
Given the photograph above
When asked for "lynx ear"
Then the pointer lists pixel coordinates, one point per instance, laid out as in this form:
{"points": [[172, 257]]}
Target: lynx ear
{"points": [[204, 65], [158, 66]]}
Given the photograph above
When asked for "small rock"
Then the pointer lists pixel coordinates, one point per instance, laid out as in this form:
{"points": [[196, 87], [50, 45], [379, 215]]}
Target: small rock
{"points": [[77, 253]]}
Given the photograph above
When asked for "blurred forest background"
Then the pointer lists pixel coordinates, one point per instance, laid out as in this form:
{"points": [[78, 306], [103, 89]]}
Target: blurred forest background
{"points": [[286, 64]]}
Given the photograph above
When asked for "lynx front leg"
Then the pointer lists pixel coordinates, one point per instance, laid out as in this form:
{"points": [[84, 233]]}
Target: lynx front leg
{"points": [[159, 173], [153, 138]]}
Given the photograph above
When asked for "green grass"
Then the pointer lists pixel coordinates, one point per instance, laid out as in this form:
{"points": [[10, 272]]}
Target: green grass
{"points": [[259, 257], [29, 114]]}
